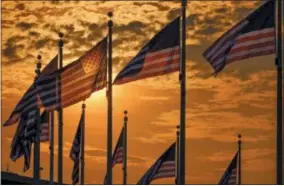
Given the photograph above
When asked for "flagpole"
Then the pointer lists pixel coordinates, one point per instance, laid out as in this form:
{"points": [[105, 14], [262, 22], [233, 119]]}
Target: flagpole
{"points": [[83, 146], [183, 96], [240, 160], [37, 136], [109, 95], [279, 95], [60, 114], [177, 157], [125, 149], [51, 148]]}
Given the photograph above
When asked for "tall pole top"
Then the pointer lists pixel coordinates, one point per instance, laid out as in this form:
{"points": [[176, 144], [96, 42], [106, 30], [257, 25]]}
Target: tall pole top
{"points": [[125, 115], [240, 138], [110, 23], [178, 127], [83, 106], [60, 42]]}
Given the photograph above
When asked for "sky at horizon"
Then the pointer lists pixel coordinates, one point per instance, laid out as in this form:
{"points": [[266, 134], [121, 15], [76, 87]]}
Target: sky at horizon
{"points": [[241, 99]]}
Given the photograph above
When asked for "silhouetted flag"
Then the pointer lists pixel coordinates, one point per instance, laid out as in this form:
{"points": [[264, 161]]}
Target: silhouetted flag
{"points": [[21, 145], [117, 157], [28, 102], [164, 167], [254, 36], [230, 176], [44, 127], [161, 55], [75, 152], [78, 79]]}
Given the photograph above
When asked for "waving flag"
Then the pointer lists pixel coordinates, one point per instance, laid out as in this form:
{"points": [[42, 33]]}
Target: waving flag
{"points": [[164, 167], [161, 55], [21, 145], [44, 127], [29, 101], [78, 79], [117, 157], [230, 176], [254, 36], [75, 153]]}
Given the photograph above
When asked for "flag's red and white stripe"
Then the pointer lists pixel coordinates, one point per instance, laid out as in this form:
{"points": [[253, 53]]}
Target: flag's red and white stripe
{"points": [[167, 170], [44, 135], [233, 177], [118, 156], [156, 63]]}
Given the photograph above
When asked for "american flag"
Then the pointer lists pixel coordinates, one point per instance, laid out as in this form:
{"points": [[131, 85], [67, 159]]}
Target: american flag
{"points": [[254, 36], [118, 154], [230, 176], [29, 101], [161, 55], [44, 127], [164, 167], [21, 145], [75, 152], [78, 79]]}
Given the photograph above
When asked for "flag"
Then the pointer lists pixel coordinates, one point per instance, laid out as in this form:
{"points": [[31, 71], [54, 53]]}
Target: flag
{"points": [[254, 36], [119, 150], [78, 79], [118, 154], [29, 100], [164, 167], [75, 153], [161, 55], [44, 127], [21, 145], [230, 176]]}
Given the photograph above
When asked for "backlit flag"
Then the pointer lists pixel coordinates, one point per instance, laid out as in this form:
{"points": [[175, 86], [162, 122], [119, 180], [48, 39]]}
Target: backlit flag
{"points": [[164, 167], [20, 145], [118, 154], [161, 55], [28, 102], [230, 176], [252, 37], [78, 79], [75, 152], [118, 151], [44, 127]]}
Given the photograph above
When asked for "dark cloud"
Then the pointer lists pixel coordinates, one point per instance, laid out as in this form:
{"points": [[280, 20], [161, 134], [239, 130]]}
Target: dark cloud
{"points": [[221, 10], [24, 25], [20, 6], [158, 5], [34, 33], [208, 30], [11, 47], [134, 27], [41, 43], [192, 19], [96, 152]]}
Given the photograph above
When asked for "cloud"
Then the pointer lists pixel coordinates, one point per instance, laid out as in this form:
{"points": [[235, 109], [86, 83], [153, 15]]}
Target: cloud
{"points": [[25, 26]]}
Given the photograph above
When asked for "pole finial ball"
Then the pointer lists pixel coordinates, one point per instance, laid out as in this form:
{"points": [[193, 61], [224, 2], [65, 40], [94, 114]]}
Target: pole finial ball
{"points": [[109, 14], [239, 135], [39, 57], [60, 34], [125, 112]]}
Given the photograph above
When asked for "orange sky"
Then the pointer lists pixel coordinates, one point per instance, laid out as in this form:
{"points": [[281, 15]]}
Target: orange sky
{"points": [[242, 99]]}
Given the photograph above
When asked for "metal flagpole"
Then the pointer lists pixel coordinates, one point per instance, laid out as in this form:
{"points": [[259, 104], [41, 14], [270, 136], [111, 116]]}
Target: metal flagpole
{"points": [[37, 136], [240, 160], [83, 146], [60, 114], [125, 149], [183, 96], [279, 94], [51, 147], [109, 96], [177, 157]]}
